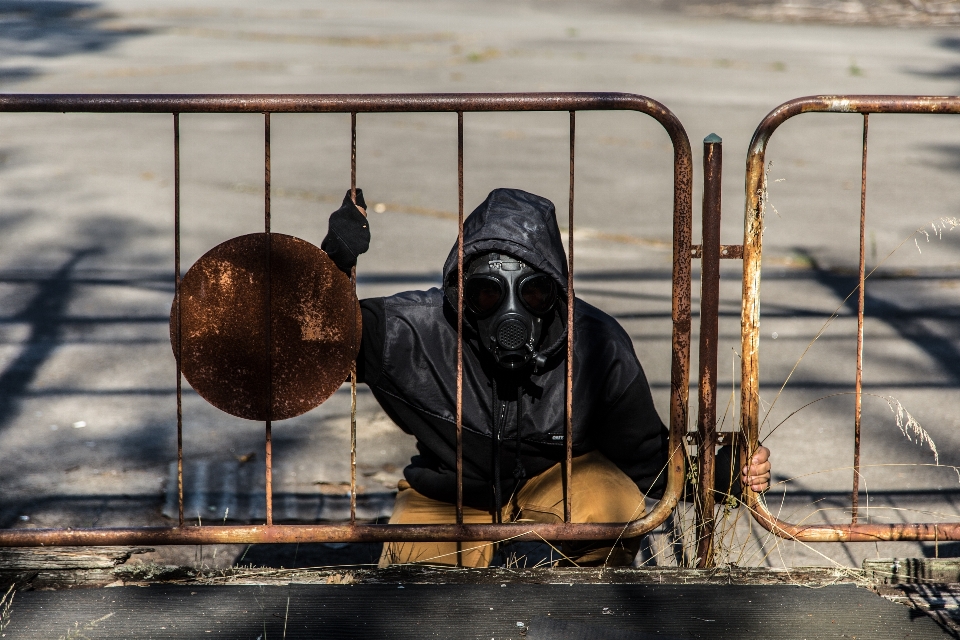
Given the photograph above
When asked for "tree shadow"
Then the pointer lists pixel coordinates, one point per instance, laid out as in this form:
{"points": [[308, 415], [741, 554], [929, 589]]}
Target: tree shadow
{"points": [[39, 306], [44, 317], [950, 152], [45, 313], [949, 71], [54, 28], [909, 323]]}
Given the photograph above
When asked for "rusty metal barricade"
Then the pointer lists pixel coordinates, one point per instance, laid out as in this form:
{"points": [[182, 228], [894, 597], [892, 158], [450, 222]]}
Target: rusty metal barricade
{"points": [[750, 317], [444, 103]]}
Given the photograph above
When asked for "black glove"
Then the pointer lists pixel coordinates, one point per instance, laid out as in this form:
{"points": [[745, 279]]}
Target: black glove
{"points": [[348, 234]]}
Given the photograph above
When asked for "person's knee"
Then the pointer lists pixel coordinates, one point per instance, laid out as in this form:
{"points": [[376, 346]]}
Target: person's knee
{"points": [[601, 492], [608, 504]]}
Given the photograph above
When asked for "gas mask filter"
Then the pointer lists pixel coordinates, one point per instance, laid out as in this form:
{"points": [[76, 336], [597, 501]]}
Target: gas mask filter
{"points": [[509, 300]]}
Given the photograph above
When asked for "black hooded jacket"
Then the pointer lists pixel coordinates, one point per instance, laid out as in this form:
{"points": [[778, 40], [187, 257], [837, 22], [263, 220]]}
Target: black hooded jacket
{"points": [[408, 359]]}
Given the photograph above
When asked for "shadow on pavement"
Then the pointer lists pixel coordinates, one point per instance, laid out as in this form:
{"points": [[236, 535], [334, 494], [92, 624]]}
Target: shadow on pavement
{"points": [[909, 323], [951, 43], [54, 28]]}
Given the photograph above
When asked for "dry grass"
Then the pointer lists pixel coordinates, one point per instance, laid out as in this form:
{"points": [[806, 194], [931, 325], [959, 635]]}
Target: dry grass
{"points": [[910, 428], [6, 604], [79, 631]]}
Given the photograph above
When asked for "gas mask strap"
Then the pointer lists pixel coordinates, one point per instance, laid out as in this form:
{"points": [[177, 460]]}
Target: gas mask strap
{"points": [[497, 489], [519, 473]]}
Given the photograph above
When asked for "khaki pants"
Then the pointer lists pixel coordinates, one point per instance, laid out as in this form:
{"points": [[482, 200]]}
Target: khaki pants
{"points": [[601, 492]]}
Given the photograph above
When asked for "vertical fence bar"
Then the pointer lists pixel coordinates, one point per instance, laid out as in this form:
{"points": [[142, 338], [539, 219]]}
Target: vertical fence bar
{"points": [[460, 323], [855, 497], [267, 318], [176, 302], [353, 371], [353, 443], [568, 437], [709, 333], [756, 189], [353, 156]]}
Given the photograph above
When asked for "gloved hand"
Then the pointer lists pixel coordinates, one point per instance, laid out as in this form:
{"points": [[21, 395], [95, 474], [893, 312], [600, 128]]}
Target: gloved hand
{"points": [[348, 233]]}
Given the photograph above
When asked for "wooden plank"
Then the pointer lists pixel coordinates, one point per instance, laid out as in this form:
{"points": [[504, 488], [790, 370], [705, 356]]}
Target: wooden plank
{"points": [[65, 558], [912, 570], [417, 611]]}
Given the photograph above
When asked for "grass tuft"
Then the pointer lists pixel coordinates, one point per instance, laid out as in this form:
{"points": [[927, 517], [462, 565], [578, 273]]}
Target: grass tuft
{"points": [[910, 428], [6, 603]]}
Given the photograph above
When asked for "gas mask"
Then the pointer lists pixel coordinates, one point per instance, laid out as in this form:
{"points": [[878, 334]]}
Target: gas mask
{"points": [[509, 300]]}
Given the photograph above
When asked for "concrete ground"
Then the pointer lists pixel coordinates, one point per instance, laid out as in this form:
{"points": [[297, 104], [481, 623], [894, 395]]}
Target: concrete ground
{"points": [[87, 378]]}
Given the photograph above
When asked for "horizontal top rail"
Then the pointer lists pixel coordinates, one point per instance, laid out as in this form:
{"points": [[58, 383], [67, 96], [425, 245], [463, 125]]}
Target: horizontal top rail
{"points": [[330, 103], [848, 104]]}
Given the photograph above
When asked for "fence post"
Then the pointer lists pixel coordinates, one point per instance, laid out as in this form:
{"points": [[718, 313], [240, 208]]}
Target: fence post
{"points": [[709, 332]]}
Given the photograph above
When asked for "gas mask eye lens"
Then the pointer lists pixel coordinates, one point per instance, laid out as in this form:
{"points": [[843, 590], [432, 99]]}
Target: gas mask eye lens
{"points": [[483, 294], [539, 293]]}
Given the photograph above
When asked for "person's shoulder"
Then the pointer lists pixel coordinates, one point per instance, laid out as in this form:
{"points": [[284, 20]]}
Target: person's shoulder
{"points": [[598, 324], [604, 348], [431, 298], [421, 308]]}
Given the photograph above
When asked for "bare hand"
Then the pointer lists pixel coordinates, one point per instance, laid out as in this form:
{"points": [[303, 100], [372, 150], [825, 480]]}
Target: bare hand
{"points": [[756, 475]]}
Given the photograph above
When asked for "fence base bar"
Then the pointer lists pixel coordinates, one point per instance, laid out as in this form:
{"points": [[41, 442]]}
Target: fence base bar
{"points": [[258, 534], [860, 532]]}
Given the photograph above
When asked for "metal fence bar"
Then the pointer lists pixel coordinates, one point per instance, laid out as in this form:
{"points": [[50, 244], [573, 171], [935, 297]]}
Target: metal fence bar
{"points": [[497, 517], [353, 443], [568, 431], [268, 446], [353, 156], [341, 103], [709, 333], [460, 325], [353, 369], [750, 312], [290, 533], [858, 413], [680, 315], [393, 103], [176, 304]]}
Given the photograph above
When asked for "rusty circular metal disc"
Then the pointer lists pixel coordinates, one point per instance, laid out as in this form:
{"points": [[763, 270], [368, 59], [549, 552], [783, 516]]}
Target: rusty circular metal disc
{"points": [[314, 331]]}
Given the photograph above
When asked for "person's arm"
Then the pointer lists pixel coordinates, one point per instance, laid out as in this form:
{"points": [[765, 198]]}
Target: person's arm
{"points": [[370, 357], [632, 436], [348, 236]]}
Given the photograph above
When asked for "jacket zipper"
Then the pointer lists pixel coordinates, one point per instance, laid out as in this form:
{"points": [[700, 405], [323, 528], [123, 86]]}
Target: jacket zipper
{"points": [[498, 435], [501, 423]]}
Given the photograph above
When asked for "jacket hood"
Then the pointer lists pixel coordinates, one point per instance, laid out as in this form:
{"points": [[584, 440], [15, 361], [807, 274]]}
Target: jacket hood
{"points": [[517, 223]]}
